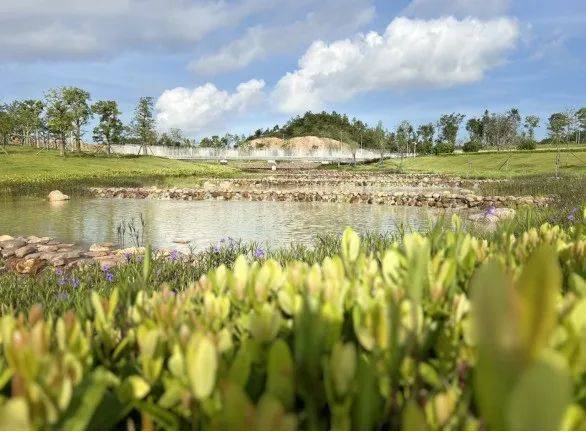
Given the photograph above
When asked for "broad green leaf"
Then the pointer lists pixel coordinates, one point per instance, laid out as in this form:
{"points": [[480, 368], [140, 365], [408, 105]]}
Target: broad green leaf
{"points": [[280, 373], [538, 286], [202, 363], [540, 397], [14, 415], [350, 245]]}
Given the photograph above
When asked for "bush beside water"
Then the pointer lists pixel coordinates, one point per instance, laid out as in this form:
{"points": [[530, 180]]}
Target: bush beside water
{"points": [[442, 331]]}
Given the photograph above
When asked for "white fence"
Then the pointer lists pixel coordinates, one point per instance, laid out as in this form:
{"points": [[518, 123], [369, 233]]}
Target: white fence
{"points": [[202, 153]]}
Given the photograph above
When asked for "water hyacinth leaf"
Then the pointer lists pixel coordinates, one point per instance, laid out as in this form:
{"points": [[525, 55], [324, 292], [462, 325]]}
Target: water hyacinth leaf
{"points": [[14, 415], [240, 369], [271, 415], [238, 412], [202, 363], [495, 310], [350, 245], [413, 417], [343, 367], [280, 373], [540, 397], [539, 285], [417, 251], [133, 388], [367, 403]]}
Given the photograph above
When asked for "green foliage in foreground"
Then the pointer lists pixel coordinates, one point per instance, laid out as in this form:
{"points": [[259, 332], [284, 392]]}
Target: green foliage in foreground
{"points": [[24, 168], [445, 331]]}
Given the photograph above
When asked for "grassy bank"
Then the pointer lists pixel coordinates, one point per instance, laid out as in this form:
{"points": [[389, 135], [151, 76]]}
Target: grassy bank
{"points": [[25, 169], [489, 165], [413, 334]]}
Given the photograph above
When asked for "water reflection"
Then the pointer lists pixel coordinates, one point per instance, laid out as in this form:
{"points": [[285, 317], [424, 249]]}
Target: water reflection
{"points": [[202, 222]]}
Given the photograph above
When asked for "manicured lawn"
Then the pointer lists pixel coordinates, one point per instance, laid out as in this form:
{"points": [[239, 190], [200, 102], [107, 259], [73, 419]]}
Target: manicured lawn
{"points": [[490, 165], [27, 168]]}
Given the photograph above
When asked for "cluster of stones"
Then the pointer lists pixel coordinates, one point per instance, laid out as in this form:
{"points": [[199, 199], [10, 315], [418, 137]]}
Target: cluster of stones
{"points": [[31, 254], [440, 199]]}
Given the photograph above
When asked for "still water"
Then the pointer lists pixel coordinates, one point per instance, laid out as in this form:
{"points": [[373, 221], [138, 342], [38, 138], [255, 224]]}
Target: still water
{"points": [[273, 224]]}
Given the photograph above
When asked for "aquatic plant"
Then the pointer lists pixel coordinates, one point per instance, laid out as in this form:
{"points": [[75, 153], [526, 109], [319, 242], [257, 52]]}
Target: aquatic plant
{"points": [[442, 331]]}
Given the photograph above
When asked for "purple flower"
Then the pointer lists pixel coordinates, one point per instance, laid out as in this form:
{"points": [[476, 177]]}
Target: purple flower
{"points": [[128, 256], [109, 277], [216, 249], [571, 217], [259, 253], [62, 296], [61, 281], [58, 271], [74, 282], [106, 268], [490, 211], [174, 255]]}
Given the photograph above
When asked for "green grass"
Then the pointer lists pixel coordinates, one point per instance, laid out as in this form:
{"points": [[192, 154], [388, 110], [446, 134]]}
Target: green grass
{"points": [[25, 169], [488, 165]]}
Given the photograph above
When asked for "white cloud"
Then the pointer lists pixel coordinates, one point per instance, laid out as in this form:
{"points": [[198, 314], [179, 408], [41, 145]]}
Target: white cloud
{"points": [[458, 8], [74, 29], [327, 19], [196, 110], [410, 54]]}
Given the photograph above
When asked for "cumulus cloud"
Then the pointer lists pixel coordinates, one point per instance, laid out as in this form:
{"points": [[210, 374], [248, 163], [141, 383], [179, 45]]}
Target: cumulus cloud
{"points": [[327, 19], [458, 8], [196, 110], [411, 53], [73, 29]]}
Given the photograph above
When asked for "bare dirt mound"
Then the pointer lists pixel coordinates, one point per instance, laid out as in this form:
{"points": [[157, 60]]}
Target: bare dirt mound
{"points": [[305, 143]]}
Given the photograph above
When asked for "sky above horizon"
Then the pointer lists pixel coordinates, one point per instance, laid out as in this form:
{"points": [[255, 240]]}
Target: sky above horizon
{"points": [[235, 66]]}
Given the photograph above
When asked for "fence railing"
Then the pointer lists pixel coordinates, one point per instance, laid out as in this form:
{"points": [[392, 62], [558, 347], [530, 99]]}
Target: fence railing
{"points": [[203, 153]]}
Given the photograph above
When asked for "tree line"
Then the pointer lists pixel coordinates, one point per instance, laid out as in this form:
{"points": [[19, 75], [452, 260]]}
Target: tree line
{"points": [[492, 130], [59, 119]]}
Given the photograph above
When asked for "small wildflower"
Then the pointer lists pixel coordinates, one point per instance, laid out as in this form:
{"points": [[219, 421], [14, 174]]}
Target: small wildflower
{"points": [[109, 277], [216, 249], [490, 211], [62, 296], [128, 256], [74, 282], [259, 253], [174, 255], [106, 268], [59, 271], [61, 281], [571, 217]]}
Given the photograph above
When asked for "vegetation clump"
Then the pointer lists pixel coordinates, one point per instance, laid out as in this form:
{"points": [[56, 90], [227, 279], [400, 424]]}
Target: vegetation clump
{"points": [[443, 331]]}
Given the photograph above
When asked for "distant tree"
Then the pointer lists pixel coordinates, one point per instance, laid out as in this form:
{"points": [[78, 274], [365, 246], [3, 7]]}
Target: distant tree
{"points": [[59, 117], [557, 126], [77, 101], [380, 137], [143, 123], [448, 126], [425, 134], [475, 128], [109, 129], [7, 125], [404, 138], [28, 118], [531, 123], [352, 144], [581, 114]]}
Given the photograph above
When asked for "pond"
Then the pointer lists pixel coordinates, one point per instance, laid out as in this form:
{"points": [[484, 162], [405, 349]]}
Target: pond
{"points": [[88, 220]]}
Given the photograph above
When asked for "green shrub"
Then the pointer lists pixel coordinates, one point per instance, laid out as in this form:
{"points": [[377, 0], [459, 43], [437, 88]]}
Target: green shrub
{"points": [[443, 147], [471, 146], [526, 144], [445, 331]]}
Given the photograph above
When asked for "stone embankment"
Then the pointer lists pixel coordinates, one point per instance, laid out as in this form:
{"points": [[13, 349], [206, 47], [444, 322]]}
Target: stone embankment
{"points": [[29, 255], [228, 191]]}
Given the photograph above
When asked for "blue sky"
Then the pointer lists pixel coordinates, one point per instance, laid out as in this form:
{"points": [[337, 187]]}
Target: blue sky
{"points": [[234, 66]]}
